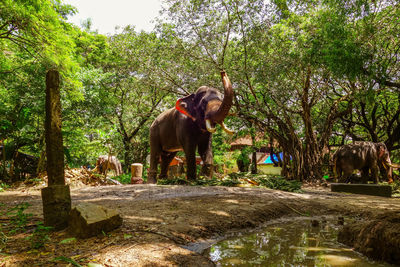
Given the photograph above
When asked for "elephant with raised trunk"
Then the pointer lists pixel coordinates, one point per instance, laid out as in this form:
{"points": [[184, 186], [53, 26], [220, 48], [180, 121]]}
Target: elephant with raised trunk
{"points": [[363, 156], [189, 126]]}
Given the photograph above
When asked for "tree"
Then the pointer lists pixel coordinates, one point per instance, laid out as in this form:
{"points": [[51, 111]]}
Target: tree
{"points": [[38, 29], [295, 63], [376, 110], [33, 37]]}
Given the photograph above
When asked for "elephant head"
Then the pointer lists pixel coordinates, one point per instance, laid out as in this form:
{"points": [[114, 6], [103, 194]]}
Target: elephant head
{"points": [[206, 107], [384, 158]]}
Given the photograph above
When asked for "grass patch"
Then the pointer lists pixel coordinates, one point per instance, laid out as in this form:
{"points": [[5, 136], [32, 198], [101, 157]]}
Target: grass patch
{"points": [[395, 188], [239, 179]]}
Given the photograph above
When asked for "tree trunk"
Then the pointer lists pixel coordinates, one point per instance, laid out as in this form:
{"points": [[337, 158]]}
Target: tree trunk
{"points": [[56, 196], [254, 154]]}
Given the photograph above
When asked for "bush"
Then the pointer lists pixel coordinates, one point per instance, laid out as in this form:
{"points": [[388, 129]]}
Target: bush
{"points": [[123, 178]]}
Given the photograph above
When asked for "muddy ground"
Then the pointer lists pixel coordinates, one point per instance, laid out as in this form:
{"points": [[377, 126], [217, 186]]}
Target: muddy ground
{"points": [[159, 220]]}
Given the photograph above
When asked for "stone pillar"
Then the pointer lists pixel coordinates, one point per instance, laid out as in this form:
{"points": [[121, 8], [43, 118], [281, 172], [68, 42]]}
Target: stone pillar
{"points": [[136, 173], [56, 197], [56, 206]]}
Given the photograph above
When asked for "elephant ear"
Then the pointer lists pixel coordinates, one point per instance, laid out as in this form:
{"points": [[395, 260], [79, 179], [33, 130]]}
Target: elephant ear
{"points": [[186, 106], [381, 150]]}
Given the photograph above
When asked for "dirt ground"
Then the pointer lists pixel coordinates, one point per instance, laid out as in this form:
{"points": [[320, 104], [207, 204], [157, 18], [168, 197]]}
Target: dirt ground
{"points": [[158, 221]]}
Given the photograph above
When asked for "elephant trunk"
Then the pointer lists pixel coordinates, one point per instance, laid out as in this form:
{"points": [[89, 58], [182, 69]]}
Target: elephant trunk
{"points": [[226, 104]]}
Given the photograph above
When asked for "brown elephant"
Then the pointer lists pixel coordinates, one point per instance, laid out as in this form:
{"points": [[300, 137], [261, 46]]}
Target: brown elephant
{"points": [[105, 163], [363, 156], [189, 126]]}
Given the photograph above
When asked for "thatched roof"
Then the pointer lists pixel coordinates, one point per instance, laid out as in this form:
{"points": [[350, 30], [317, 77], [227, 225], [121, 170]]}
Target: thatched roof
{"points": [[246, 141]]}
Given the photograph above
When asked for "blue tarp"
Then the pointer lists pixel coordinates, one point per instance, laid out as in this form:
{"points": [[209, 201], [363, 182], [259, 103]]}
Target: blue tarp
{"points": [[269, 161]]}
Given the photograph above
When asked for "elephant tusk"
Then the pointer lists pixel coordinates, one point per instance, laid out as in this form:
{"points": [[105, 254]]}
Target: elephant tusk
{"points": [[209, 127], [392, 165], [227, 130]]}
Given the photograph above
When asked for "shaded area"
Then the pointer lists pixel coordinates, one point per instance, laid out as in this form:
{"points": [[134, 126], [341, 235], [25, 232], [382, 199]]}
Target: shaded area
{"points": [[378, 238]]}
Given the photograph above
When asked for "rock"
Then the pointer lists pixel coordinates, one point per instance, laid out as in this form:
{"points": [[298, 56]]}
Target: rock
{"points": [[87, 220], [136, 180]]}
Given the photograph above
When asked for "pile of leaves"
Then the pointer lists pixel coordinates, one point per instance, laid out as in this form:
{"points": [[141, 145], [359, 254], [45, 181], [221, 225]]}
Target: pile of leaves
{"points": [[239, 179], [76, 177]]}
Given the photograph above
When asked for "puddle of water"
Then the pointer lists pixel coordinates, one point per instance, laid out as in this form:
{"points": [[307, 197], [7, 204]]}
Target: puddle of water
{"points": [[288, 243]]}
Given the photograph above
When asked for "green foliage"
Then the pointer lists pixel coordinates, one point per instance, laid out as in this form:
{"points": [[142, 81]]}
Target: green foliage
{"points": [[278, 183], [123, 178], [3, 186], [3, 240], [244, 156], [175, 181], [38, 27], [18, 217], [236, 179], [395, 188], [40, 236]]}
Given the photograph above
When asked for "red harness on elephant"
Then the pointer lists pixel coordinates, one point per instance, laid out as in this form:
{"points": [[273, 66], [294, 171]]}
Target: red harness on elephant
{"points": [[181, 109]]}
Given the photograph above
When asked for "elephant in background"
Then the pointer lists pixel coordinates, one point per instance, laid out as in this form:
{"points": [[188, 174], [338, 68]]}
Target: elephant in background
{"points": [[189, 126], [105, 163], [363, 156]]}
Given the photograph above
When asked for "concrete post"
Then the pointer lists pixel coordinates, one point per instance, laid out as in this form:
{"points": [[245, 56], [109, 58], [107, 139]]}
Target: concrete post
{"points": [[136, 173], [56, 196]]}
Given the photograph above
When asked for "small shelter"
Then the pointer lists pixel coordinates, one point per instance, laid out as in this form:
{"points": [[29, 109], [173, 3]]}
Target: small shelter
{"points": [[266, 165], [245, 141]]}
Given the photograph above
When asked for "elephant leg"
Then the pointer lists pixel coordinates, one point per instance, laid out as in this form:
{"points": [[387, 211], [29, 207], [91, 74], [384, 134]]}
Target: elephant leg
{"points": [[347, 171], [337, 173], [103, 168], [190, 153], [206, 155], [119, 167], [112, 167], [166, 159], [375, 174], [365, 175]]}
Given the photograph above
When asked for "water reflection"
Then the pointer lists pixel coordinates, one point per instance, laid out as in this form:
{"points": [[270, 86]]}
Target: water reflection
{"points": [[289, 243]]}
